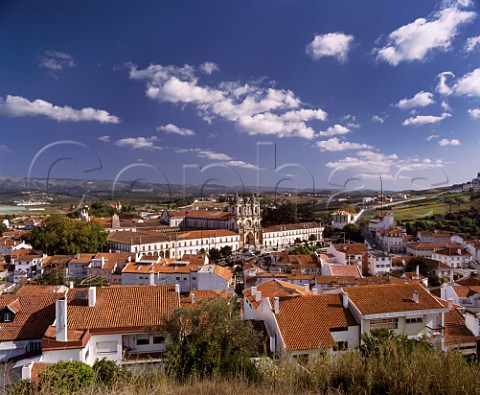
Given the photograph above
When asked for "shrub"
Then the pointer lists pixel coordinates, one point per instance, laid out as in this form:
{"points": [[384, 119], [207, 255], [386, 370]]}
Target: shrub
{"points": [[66, 377], [108, 372]]}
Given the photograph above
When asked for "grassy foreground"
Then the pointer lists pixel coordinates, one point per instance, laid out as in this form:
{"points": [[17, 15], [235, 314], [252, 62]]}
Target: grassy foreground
{"points": [[391, 367]]}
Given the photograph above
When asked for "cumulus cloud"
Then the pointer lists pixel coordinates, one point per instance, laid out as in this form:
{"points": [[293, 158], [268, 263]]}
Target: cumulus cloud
{"points": [[432, 136], [425, 119], [421, 99], [209, 67], [138, 142], [335, 130], [378, 118], [171, 128], [445, 142], [56, 61], [219, 157], [443, 88], [474, 113], [335, 145], [254, 109], [469, 84], [414, 41], [330, 44], [105, 139], [17, 106], [368, 164], [472, 43]]}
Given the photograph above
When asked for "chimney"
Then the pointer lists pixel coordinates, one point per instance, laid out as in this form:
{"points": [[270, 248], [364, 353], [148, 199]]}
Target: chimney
{"points": [[450, 303], [254, 290], [192, 298], [276, 305], [306, 287], [151, 277], [103, 262], [61, 319], [70, 285], [258, 296], [459, 251], [177, 290], [415, 296], [92, 296], [417, 271], [345, 300], [315, 291]]}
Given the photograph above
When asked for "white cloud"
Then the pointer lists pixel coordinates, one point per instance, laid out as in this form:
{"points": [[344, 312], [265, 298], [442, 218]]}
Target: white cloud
{"points": [[5, 148], [242, 164], [469, 84], [432, 136], [418, 39], [445, 106], [474, 113], [171, 128], [335, 130], [442, 86], [209, 67], [212, 155], [138, 142], [335, 145], [254, 109], [330, 44], [472, 43], [421, 99], [369, 164], [379, 118], [445, 142], [425, 119], [105, 139], [56, 61], [17, 106]]}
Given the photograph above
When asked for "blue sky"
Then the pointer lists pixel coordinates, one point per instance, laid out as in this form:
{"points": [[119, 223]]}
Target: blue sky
{"points": [[294, 93]]}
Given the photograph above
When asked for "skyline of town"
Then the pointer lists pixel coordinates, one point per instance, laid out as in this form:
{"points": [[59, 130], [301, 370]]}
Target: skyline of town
{"points": [[322, 93]]}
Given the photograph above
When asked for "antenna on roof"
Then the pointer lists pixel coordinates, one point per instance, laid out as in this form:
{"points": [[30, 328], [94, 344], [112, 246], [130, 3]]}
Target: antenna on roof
{"points": [[381, 193]]}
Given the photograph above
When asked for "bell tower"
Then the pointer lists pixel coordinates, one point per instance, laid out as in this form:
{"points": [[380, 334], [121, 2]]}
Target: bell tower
{"points": [[245, 218]]}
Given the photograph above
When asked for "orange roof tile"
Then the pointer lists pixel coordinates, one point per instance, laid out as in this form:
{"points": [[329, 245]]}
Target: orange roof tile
{"points": [[391, 298], [305, 322]]}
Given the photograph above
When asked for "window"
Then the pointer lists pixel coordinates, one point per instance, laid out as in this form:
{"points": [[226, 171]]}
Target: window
{"points": [[342, 345], [142, 340], [158, 339], [108, 347], [388, 323], [416, 320]]}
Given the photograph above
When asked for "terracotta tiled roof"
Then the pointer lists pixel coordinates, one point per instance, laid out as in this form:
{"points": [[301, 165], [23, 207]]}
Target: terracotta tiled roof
{"points": [[121, 307], [272, 288], [470, 280], [453, 252], [205, 294], [40, 289], [456, 332], [82, 259], [345, 270], [34, 314], [425, 246], [197, 259], [220, 215], [305, 322], [223, 272], [351, 249], [391, 298]]}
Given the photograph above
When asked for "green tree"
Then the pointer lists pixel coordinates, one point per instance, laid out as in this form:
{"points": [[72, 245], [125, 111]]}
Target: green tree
{"points": [[61, 235], [3, 228], [214, 254], [226, 251], [210, 338], [425, 266]]}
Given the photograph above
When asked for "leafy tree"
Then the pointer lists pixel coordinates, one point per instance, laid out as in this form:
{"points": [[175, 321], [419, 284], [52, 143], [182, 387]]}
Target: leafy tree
{"points": [[210, 338], [352, 232], [61, 235], [66, 377], [214, 254], [349, 208], [3, 228], [425, 266], [226, 251]]}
